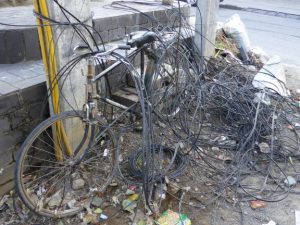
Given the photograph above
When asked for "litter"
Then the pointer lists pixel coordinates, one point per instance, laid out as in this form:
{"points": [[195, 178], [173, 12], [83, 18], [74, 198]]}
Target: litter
{"points": [[103, 217], [170, 217], [272, 77], [290, 181], [270, 223], [256, 204], [129, 205], [297, 217], [235, 28]]}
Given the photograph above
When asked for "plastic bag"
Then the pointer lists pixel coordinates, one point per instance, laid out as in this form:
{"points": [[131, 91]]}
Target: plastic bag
{"points": [[170, 217], [235, 28]]}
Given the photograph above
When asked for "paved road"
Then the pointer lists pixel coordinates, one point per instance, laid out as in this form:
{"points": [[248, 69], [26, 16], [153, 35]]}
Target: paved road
{"points": [[284, 6], [276, 35]]}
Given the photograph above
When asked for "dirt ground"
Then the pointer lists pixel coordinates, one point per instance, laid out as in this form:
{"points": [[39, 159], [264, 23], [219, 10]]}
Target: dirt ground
{"points": [[220, 213]]}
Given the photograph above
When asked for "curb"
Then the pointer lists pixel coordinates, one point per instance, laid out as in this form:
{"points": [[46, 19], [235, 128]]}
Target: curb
{"points": [[262, 11]]}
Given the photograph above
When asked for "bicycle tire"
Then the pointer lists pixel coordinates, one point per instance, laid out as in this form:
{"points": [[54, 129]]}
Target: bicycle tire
{"points": [[94, 142]]}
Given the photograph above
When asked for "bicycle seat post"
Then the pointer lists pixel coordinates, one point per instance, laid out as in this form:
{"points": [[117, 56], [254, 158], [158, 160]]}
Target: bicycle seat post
{"points": [[91, 105]]}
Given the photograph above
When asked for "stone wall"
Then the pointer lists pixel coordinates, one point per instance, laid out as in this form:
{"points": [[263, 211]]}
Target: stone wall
{"points": [[20, 112], [19, 45]]}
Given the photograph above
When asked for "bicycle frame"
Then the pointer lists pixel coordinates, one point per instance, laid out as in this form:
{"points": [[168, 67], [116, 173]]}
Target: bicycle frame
{"points": [[150, 69]]}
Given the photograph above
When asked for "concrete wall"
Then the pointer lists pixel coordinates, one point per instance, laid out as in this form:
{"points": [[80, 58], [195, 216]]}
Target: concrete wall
{"points": [[20, 112]]}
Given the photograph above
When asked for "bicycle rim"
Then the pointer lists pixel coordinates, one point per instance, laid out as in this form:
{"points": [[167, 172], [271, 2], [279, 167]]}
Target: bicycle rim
{"points": [[59, 188]]}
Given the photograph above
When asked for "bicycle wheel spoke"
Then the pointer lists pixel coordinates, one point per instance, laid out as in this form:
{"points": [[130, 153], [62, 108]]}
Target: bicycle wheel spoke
{"points": [[44, 160], [45, 183], [43, 176], [43, 149]]}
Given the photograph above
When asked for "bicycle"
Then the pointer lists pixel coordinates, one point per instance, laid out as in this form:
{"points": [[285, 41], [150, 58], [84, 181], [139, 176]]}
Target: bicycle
{"points": [[70, 156]]}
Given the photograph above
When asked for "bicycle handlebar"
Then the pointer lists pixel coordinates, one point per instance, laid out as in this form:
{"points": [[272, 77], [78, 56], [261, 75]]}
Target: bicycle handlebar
{"points": [[114, 48], [138, 39]]}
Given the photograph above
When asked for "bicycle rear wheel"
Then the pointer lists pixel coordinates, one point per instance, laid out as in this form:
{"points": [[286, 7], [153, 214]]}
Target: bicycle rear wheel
{"points": [[54, 176]]}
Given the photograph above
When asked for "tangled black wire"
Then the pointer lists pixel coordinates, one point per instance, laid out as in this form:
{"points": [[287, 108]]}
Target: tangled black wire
{"points": [[219, 120]]}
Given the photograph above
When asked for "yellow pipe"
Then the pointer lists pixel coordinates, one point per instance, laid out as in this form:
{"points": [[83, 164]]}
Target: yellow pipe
{"points": [[49, 60]]}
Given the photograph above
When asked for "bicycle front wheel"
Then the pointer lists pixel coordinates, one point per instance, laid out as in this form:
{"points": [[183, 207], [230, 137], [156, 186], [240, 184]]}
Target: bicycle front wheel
{"points": [[63, 162]]}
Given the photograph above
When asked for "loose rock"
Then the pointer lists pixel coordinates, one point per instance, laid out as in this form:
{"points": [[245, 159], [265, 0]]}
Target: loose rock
{"points": [[78, 184], [290, 181], [97, 202], [173, 188], [264, 147], [55, 200]]}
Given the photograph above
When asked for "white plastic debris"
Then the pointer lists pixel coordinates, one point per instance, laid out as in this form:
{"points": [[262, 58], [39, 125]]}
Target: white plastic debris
{"points": [[290, 181], [71, 204], [260, 54], [41, 191], [105, 153], [103, 217], [235, 28], [270, 223], [262, 97], [220, 25], [93, 189], [272, 76], [297, 217]]}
